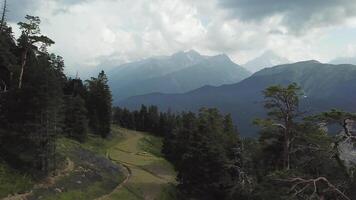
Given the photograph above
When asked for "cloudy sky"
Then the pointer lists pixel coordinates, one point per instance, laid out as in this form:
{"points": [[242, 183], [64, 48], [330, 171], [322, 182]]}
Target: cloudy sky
{"points": [[89, 33]]}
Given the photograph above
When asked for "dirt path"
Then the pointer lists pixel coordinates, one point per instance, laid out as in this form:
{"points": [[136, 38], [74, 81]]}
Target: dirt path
{"points": [[128, 176], [148, 175]]}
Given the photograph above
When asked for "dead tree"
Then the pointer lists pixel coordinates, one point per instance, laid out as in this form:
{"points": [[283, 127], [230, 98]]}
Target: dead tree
{"points": [[314, 188]]}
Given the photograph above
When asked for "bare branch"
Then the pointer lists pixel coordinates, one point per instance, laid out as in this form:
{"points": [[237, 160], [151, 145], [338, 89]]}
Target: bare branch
{"points": [[306, 183]]}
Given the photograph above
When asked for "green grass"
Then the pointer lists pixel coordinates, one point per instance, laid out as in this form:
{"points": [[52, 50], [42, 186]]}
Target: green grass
{"points": [[93, 143], [152, 176], [169, 192], [152, 145], [13, 182], [89, 188], [94, 190]]}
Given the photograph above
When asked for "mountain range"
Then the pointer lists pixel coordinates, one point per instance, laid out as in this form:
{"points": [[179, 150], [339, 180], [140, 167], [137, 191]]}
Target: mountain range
{"points": [[325, 86], [179, 73]]}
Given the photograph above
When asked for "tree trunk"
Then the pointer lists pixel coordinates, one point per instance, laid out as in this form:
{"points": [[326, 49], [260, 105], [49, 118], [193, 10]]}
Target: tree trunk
{"points": [[286, 148], [2, 23], [286, 145], [23, 64]]}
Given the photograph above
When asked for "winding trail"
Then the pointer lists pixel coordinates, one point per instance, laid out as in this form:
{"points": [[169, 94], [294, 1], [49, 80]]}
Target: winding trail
{"points": [[148, 175], [128, 176]]}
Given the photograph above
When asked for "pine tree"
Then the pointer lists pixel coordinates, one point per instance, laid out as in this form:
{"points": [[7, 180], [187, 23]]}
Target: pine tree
{"points": [[99, 104], [31, 35], [283, 109], [31, 117], [76, 122], [205, 170]]}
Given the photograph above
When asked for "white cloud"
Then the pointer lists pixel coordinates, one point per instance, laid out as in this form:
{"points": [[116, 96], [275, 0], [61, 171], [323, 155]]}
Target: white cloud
{"points": [[89, 33]]}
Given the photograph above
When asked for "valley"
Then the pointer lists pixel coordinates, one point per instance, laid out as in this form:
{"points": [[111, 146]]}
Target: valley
{"points": [[109, 100]]}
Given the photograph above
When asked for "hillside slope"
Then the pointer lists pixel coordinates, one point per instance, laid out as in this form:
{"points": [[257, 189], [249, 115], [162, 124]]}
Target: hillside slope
{"points": [[325, 86], [83, 172], [151, 176], [128, 165]]}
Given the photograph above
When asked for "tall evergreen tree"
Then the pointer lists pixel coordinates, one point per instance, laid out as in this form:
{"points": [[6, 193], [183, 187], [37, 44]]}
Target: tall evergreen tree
{"points": [[76, 122], [75, 116], [206, 170], [99, 104]]}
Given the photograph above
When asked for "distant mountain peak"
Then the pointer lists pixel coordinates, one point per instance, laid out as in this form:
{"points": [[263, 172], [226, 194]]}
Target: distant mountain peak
{"points": [[221, 57], [179, 53], [180, 72], [191, 55], [309, 62], [193, 52], [267, 59]]}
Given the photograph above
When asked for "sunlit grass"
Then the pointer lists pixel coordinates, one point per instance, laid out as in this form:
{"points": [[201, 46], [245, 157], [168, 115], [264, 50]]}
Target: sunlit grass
{"points": [[152, 176]]}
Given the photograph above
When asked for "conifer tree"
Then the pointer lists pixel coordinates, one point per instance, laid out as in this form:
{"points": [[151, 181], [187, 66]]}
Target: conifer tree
{"points": [[283, 109], [31, 35], [99, 104]]}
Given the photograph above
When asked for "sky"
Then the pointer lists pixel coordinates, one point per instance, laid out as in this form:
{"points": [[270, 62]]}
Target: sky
{"points": [[106, 33]]}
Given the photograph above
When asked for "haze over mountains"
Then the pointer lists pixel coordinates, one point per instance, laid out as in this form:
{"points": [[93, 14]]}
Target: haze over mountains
{"points": [[181, 72], [325, 86], [266, 60], [344, 60]]}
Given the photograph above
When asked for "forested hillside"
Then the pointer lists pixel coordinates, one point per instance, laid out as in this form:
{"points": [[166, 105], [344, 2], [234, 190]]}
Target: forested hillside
{"points": [[295, 156], [39, 104], [324, 86]]}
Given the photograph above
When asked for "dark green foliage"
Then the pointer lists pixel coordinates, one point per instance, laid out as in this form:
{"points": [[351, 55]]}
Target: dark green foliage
{"points": [[76, 122], [174, 146], [98, 101], [208, 166], [146, 119], [204, 149], [75, 116], [32, 116], [313, 154]]}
